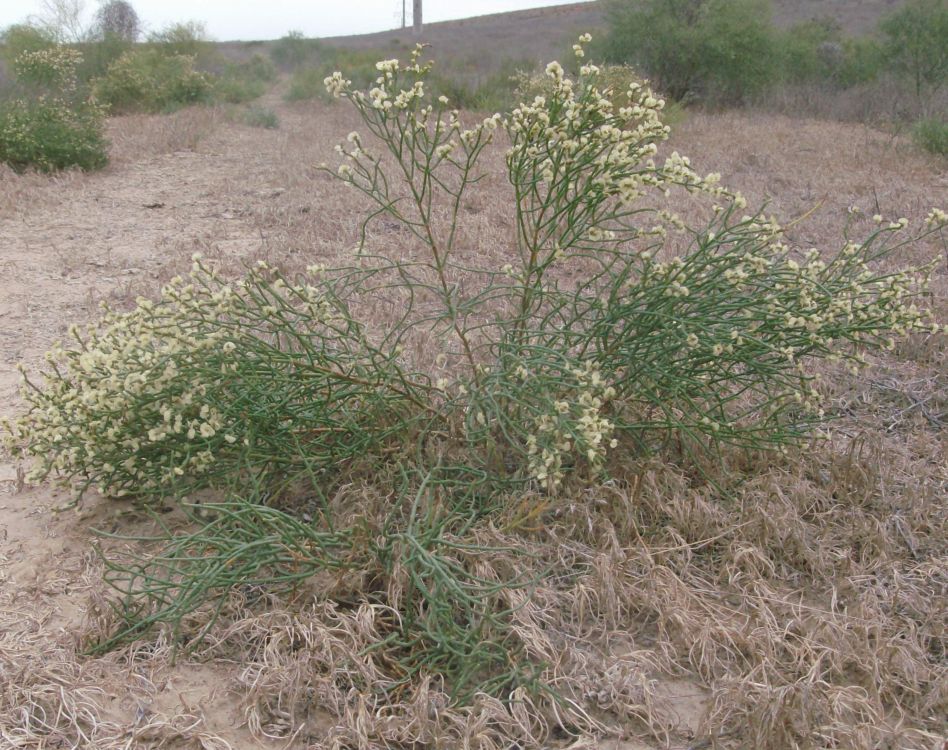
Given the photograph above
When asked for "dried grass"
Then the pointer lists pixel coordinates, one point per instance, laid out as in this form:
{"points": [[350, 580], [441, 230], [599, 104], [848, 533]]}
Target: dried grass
{"points": [[52, 696], [134, 137], [804, 607]]}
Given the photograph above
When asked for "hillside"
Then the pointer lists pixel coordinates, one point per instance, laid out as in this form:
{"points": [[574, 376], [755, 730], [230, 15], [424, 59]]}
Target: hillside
{"points": [[541, 32]]}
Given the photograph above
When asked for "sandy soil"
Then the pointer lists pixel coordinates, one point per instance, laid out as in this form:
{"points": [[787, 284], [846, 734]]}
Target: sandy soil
{"points": [[200, 182]]}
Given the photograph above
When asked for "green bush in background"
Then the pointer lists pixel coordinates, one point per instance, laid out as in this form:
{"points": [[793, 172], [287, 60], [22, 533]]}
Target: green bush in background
{"points": [[720, 51], [726, 52], [49, 123], [863, 61], [49, 135], [916, 43], [243, 82], [188, 38], [292, 50], [811, 51], [20, 38], [148, 80], [932, 135], [98, 55]]}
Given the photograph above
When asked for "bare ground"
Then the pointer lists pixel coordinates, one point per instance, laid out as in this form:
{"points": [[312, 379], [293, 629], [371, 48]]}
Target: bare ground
{"points": [[820, 615]]}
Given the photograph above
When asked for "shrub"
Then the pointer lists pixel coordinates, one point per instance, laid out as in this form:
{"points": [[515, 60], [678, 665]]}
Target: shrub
{"points": [[292, 50], [50, 125], [261, 117], [237, 90], [257, 68], [595, 344], [50, 70], [863, 60], [21, 38], [932, 135], [737, 50], [150, 81], [306, 83], [916, 43], [188, 39], [50, 135], [720, 50], [490, 92], [811, 51], [99, 55]]}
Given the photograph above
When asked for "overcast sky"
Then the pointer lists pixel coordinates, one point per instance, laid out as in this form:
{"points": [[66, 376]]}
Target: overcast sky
{"points": [[253, 19]]}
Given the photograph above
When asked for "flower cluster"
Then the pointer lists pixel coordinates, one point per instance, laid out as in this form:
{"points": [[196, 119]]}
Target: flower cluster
{"points": [[152, 81], [145, 399], [428, 132], [574, 427], [581, 157], [51, 68]]}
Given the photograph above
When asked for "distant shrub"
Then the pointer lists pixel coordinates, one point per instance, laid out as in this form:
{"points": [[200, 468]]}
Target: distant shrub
{"points": [[306, 83], [147, 80], [916, 43], [261, 117], [49, 124], [236, 90], [932, 135], [244, 82], [50, 70], [183, 39], [737, 45], [621, 83], [722, 51], [257, 67], [292, 50], [21, 38], [97, 56], [50, 135], [811, 51], [495, 91], [863, 61]]}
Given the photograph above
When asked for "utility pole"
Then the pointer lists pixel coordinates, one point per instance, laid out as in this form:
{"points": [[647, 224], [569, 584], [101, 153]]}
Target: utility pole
{"points": [[416, 16], [404, 5]]}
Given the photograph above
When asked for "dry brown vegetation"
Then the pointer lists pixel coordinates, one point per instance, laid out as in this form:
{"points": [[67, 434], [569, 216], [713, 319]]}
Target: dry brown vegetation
{"points": [[796, 601]]}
